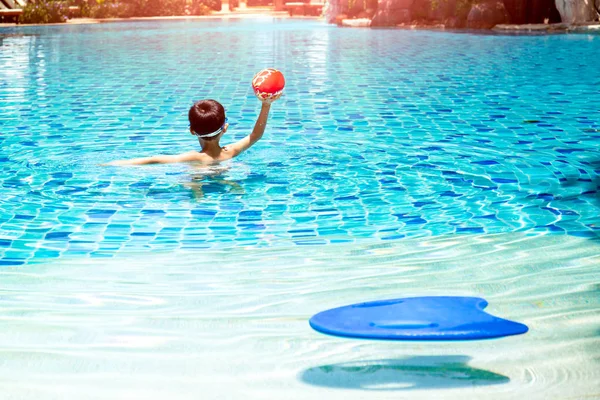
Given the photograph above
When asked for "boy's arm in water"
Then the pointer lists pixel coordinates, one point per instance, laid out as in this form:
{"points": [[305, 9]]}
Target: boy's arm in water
{"points": [[185, 157], [257, 133]]}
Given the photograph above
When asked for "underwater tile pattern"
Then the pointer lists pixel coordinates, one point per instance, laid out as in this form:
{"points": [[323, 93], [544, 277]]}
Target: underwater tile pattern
{"points": [[380, 135]]}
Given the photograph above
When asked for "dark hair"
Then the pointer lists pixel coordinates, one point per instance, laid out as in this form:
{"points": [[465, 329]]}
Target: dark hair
{"points": [[206, 116]]}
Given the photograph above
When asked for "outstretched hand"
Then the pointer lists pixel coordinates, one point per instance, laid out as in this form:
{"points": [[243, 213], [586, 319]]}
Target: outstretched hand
{"points": [[271, 99]]}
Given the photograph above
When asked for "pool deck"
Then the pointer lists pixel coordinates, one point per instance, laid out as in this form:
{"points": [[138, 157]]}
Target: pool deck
{"points": [[508, 28], [548, 28], [247, 13], [358, 23]]}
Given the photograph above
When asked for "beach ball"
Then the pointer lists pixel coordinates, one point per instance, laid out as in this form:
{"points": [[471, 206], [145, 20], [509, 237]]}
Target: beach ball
{"points": [[268, 83]]}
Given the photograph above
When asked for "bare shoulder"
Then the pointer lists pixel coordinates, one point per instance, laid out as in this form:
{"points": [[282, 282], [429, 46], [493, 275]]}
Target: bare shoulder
{"points": [[191, 156], [202, 158]]}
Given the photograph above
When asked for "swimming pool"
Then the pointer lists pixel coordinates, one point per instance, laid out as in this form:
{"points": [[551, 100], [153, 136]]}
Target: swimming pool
{"points": [[394, 161]]}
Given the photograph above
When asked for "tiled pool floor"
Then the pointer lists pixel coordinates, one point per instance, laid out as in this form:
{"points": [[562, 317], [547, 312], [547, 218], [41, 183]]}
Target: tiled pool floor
{"points": [[380, 135]]}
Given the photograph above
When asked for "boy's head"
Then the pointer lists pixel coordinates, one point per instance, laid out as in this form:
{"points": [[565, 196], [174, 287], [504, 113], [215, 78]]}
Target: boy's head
{"points": [[207, 119]]}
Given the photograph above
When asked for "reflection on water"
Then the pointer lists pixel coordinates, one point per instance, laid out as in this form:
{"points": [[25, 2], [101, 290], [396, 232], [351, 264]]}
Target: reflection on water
{"points": [[426, 372], [199, 172], [211, 185], [212, 179]]}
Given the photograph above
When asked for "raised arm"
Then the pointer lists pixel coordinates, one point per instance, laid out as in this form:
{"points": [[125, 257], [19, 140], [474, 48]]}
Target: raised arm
{"points": [[257, 132]]}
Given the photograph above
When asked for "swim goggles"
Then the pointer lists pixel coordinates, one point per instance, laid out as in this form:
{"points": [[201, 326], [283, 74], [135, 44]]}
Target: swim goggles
{"points": [[215, 133]]}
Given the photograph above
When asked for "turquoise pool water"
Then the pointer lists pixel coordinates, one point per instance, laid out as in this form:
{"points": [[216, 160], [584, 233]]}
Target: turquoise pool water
{"points": [[381, 135], [398, 163]]}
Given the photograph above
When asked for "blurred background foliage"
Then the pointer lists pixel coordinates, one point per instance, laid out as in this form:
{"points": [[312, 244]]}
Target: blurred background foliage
{"points": [[56, 11]]}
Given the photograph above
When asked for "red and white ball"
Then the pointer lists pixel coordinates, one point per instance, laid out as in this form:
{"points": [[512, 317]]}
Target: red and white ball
{"points": [[268, 83]]}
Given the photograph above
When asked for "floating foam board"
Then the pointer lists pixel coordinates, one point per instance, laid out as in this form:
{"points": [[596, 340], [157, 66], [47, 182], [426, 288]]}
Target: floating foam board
{"points": [[438, 318]]}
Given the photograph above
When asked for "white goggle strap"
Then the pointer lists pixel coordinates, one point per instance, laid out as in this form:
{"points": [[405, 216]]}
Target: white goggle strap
{"points": [[215, 133], [207, 135]]}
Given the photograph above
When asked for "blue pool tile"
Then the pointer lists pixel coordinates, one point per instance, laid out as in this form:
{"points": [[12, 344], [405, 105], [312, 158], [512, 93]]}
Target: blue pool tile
{"points": [[306, 242], [393, 237], [585, 234], [346, 198], [543, 196], [552, 210], [153, 212], [552, 228], [504, 180], [485, 162], [477, 229], [416, 221], [45, 253], [58, 235], [200, 212], [487, 216], [419, 204], [10, 262], [100, 213], [450, 194]]}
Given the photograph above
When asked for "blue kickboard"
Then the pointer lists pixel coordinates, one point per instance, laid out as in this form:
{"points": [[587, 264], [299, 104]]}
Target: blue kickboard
{"points": [[416, 318]]}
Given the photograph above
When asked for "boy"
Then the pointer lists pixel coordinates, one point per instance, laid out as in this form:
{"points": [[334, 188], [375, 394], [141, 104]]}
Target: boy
{"points": [[208, 123]]}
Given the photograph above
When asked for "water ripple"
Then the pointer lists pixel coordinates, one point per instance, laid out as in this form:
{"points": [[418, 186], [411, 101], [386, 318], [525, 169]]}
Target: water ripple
{"points": [[187, 320]]}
